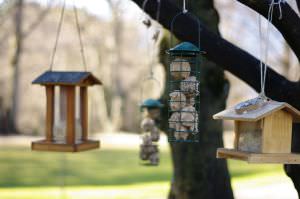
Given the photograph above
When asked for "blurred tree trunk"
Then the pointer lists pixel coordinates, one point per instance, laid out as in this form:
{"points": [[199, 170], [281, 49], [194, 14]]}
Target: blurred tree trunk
{"points": [[197, 172], [117, 94], [16, 59]]}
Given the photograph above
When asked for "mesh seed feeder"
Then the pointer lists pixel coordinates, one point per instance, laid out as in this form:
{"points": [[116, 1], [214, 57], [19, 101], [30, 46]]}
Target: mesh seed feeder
{"points": [[184, 78]]}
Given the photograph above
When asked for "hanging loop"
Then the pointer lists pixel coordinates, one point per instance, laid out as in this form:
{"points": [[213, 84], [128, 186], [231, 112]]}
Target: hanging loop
{"points": [[279, 2], [157, 8], [185, 14], [148, 79]]}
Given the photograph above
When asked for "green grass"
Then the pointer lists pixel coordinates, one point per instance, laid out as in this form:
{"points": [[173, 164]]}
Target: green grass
{"points": [[21, 168], [105, 173]]}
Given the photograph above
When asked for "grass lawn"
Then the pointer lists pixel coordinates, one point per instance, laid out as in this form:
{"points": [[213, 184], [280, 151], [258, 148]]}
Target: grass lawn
{"points": [[106, 173]]}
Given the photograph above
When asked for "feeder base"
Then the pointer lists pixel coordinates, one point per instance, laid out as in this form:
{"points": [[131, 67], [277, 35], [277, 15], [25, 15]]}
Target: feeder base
{"points": [[258, 158], [44, 145]]}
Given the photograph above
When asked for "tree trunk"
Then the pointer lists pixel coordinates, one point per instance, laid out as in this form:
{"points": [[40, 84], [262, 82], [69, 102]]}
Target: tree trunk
{"points": [[16, 65], [197, 172]]}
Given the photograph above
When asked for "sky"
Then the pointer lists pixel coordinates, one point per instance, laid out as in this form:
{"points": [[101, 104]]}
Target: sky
{"points": [[96, 7]]}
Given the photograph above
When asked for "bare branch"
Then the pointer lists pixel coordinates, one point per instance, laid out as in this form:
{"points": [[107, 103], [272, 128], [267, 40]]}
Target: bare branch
{"points": [[225, 54], [288, 25]]}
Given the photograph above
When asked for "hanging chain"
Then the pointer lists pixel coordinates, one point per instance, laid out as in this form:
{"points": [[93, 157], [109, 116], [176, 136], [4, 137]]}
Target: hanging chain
{"points": [[58, 33], [82, 51], [264, 65]]}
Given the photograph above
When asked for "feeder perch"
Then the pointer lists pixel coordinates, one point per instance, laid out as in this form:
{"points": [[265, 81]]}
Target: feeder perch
{"points": [[64, 131], [263, 135]]}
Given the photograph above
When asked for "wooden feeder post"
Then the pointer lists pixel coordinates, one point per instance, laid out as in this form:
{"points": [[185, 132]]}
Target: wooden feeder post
{"points": [[263, 135], [66, 82]]}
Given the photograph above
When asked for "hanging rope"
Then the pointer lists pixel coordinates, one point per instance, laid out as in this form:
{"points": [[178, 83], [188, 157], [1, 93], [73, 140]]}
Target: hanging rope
{"points": [[58, 33], [264, 65], [82, 51]]}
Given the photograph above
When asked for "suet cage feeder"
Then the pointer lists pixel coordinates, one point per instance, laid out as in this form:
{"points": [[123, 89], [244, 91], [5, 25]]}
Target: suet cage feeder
{"points": [[183, 87], [149, 152]]}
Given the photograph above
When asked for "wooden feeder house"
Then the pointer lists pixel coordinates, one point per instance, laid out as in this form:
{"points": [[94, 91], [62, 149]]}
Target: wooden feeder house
{"points": [[66, 111], [263, 135]]}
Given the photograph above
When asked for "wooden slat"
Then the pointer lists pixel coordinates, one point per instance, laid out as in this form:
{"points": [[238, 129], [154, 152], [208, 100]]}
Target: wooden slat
{"points": [[84, 112], [70, 114], [259, 158], [236, 134], [49, 112], [277, 133], [63, 103], [43, 145]]}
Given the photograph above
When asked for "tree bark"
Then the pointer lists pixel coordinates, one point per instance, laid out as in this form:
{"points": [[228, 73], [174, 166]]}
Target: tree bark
{"points": [[241, 63], [16, 64]]}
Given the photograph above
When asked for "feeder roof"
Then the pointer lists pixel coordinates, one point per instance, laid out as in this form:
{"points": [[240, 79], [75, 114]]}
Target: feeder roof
{"points": [[255, 115], [151, 103], [67, 78], [185, 47]]}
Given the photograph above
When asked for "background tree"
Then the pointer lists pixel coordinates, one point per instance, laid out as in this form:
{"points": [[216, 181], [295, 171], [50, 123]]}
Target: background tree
{"points": [[193, 163]]}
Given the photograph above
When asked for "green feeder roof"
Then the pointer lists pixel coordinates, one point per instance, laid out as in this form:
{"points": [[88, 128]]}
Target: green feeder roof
{"points": [[185, 48], [151, 103]]}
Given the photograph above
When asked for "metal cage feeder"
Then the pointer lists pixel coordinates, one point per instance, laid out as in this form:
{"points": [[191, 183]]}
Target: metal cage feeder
{"points": [[184, 99]]}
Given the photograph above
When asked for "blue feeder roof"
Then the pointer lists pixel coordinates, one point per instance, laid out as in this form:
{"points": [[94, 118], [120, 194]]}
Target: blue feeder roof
{"points": [[185, 48], [67, 78], [151, 103]]}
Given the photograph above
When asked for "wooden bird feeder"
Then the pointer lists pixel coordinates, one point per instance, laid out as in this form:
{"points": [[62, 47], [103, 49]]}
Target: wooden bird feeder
{"points": [[66, 111], [263, 135]]}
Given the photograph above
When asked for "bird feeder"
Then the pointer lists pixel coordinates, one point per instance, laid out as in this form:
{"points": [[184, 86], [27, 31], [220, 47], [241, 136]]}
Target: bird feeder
{"points": [[66, 111], [184, 99], [263, 135], [149, 153], [152, 108]]}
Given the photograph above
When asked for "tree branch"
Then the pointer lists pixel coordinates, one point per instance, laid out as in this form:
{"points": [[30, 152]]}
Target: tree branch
{"points": [[298, 4], [288, 25], [225, 54], [39, 19]]}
